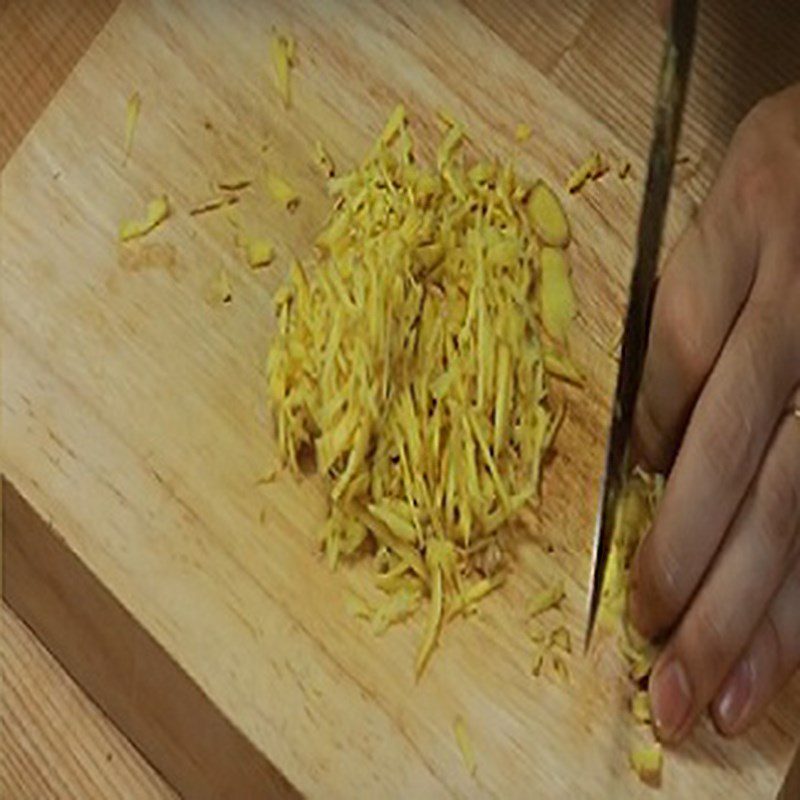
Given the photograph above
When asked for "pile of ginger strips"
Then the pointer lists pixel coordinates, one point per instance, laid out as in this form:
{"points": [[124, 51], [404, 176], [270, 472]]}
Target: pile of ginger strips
{"points": [[411, 363]]}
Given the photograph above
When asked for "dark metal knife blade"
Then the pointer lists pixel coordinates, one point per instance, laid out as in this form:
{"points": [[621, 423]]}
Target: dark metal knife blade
{"points": [[675, 68]]}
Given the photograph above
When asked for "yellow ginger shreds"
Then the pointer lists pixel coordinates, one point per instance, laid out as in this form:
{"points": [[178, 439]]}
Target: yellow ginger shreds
{"points": [[640, 654], [465, 602], [547, 216], [323, 159], [560, 668], [537, 664], [396, 121], [132, 109], [291, 49], [641, 666], [450, 144], [560, 638], [561, 366], [268, 476], [522, 132], [634, 515], [408, 359], [557, 297], [465, 745], [157, 212], [392, 514], [445, 118], [234, 184], [282, 52], [593, 167], [356, 606], [434, 621], [234, 219], [281, 191], [259, 252], [212, 204], [647, 762], [220, 291], [640, 707], [546, 599], [398, 606], [537, 635]]}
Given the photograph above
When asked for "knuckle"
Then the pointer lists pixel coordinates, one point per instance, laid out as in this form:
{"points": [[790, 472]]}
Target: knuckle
{"points": [[684, 333], [757, 158], [708, 642], [778, 500], [654, 440], [757, 183], [774, 642], [659, 582], [729, 440], [726, 441], [766, 343]]}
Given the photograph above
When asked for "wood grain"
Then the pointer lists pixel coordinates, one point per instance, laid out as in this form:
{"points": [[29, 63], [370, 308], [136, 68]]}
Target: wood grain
{"points": [[40, 42], [55, 744], [54, 741], [150, 498], [603, 53], [126, 672]]}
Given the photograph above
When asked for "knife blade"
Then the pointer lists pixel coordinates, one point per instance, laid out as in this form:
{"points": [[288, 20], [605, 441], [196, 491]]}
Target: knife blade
{"points": [[671, 93]]}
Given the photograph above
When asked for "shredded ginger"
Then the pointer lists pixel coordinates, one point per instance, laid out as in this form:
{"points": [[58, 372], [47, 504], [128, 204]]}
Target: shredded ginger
{"points": [[259, 252], [281, 191], [132, 109], [647, 762], [465, 745], [212, 204], [408, 360], [546, 599], [282, 49], [593, 168], [633, 518], [220, 291], [157, 212], [522, 132]]}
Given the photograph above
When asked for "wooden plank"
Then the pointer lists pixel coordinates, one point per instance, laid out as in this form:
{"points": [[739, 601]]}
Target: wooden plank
{"points": [[54, 742], [123, 668], [604, 55], [169, 519], [41, 41]]}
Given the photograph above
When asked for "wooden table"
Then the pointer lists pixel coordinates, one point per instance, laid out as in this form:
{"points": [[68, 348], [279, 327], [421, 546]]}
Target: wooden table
{"points": [[54, 742], [745, 52]]}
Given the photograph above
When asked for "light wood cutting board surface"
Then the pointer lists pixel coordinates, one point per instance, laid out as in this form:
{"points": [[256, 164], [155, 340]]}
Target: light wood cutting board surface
{"points": [[134, 419]]}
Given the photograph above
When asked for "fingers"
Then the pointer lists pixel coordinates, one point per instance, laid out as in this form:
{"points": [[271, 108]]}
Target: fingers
{"points": [[704, 284], [747, 573], [724, 444], [770, 660]]}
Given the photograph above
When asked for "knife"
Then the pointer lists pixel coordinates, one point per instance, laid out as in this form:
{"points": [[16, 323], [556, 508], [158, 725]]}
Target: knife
{"points": [[675, 67]]}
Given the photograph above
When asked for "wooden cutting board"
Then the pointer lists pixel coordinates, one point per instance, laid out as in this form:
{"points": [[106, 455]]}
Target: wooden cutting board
{"points": [[134, 424]]}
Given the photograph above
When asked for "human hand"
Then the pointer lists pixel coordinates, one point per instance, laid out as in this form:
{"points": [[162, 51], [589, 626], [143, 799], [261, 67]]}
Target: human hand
{"points": [[719, 573]]}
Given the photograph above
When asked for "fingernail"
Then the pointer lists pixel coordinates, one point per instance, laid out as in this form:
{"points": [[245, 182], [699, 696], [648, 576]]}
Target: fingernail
{"points": [[671, 698], [735, 696]]}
